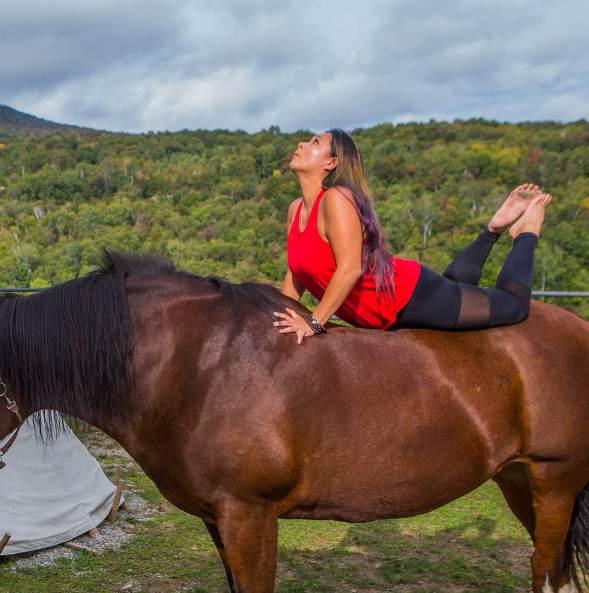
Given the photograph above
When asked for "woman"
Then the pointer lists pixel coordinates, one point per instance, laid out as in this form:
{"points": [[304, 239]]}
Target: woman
{"points": [[337, 251]]}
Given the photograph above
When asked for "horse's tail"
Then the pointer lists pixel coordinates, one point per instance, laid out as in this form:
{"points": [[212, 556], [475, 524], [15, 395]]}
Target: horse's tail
{"points": [[577, 543]]}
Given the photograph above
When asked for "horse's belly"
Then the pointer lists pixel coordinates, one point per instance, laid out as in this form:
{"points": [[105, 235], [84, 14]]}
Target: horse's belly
{"points": [[359, 502], [392, 474]]}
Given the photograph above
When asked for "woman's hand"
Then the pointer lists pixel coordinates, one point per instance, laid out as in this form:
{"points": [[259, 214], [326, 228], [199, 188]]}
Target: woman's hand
{"points": [[294, 323]]}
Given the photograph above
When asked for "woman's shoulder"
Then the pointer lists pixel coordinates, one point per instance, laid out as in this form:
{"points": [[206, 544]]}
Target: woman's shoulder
{"points": [[337, 193], [339, 190]]}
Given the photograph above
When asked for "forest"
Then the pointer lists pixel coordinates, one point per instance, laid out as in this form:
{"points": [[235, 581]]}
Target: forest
{"points": [[215, 202]]}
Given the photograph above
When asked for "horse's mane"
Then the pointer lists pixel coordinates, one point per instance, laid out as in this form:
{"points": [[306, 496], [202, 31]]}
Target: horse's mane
{"points": [[70, 346], [243, 296]]}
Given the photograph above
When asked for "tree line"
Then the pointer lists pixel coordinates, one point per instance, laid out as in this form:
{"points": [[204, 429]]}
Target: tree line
{"points": [[215, 202]]}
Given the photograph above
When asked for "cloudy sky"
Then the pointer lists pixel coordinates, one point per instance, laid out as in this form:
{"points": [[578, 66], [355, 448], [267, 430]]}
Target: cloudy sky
{"points": [[139, 65]]}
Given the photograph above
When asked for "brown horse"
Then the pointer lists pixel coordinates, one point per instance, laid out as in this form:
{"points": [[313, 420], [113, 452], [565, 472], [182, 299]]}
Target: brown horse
{"points": [[239, 425]]}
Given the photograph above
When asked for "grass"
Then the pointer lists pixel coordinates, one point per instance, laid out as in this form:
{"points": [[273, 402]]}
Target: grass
{"points": [[473, 544]]}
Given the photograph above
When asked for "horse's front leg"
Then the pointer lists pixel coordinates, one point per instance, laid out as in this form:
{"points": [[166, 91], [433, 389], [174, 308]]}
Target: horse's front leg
{"points": [[247, 538], [214, 532]]}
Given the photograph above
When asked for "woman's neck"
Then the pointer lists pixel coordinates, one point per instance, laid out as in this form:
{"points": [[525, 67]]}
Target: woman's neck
{"points": [[310, 187]]}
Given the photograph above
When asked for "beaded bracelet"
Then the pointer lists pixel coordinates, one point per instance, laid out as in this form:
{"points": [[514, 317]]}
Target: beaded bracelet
{"points": [[314, 324]]}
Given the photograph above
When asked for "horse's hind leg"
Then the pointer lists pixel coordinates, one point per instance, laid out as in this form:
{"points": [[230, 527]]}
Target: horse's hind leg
{"points": [[514, 482], [555, 492], [247, 540]]}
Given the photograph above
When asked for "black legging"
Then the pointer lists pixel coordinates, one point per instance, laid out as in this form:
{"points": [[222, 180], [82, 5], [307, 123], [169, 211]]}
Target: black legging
{"points": [[454, 301]]}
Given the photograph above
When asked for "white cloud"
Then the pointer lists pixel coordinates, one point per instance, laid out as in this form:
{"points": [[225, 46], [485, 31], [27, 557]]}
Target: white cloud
{"points": [[575, 105], [138, 66]]}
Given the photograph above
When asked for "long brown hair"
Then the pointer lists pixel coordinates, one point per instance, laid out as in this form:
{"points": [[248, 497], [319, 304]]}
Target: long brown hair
{"points": [[350, 173]]}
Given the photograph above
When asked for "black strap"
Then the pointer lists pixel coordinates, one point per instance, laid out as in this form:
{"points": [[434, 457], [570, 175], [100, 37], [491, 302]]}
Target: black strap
{"points": [[7, 446], [13, 407]]}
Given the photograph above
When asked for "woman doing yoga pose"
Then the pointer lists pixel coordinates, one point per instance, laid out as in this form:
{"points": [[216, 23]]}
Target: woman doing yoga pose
{"points": [[337, 251]]}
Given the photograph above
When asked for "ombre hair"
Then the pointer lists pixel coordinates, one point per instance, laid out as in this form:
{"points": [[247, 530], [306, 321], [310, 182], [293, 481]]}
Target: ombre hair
{"points": [[349, 173]]}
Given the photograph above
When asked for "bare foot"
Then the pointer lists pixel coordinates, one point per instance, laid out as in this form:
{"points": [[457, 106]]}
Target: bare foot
{"points": [[532, 219], [515, 205]]}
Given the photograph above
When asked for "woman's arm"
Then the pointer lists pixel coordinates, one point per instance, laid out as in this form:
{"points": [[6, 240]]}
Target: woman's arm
{"points": [[292, 287], [344, 232]]}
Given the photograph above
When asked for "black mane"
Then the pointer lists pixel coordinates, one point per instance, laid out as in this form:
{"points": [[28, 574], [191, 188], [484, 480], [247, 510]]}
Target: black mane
{"points": [[69, 347], [246, 296]]}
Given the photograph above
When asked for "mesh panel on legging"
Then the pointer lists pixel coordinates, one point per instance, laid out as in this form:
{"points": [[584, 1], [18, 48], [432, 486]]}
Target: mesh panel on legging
{"points": [[489, 307], [475, 308]]}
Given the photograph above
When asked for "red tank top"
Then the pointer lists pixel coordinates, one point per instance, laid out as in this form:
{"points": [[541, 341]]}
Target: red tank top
{"points": [[310, 259]]}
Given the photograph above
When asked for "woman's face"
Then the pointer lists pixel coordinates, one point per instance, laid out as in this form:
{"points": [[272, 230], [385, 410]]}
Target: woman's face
{"points": [[314, 155]]}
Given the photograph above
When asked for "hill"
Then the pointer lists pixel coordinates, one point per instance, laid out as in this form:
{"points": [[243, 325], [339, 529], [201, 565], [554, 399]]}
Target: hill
{"points": [[14, 123]]}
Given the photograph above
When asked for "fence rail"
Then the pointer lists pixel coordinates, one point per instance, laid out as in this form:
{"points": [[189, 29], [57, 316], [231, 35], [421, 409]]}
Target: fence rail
{"points": [[552, 293], [20, 289], [535, 293]]}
